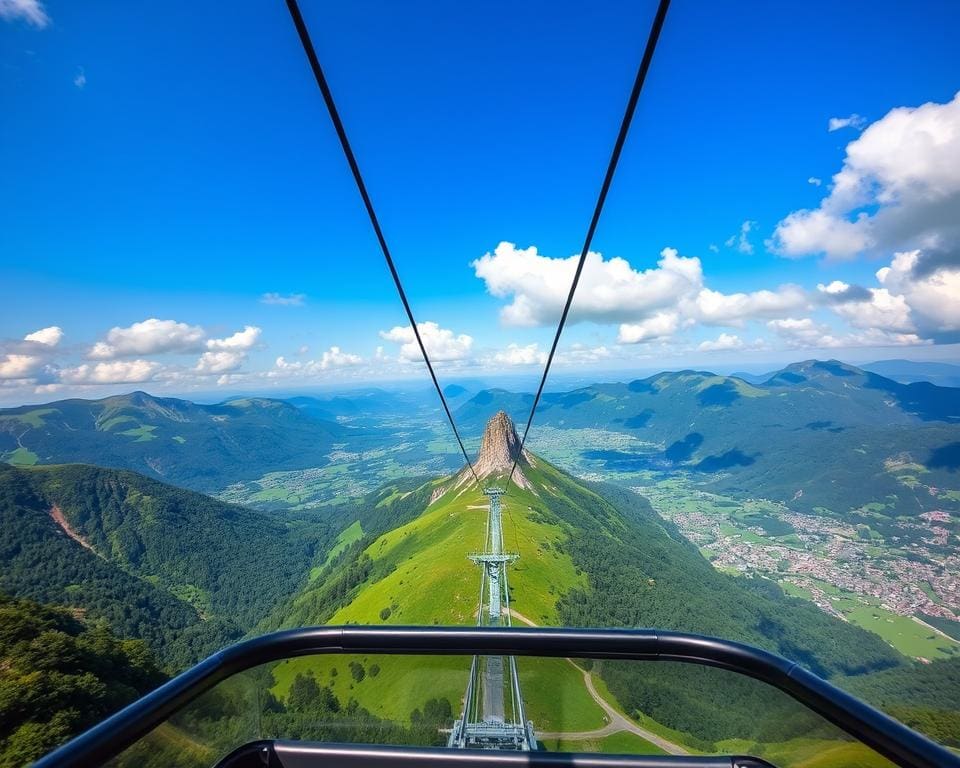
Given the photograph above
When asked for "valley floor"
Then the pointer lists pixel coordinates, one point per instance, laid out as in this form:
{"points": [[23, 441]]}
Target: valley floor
{"points": [[886, 587]]}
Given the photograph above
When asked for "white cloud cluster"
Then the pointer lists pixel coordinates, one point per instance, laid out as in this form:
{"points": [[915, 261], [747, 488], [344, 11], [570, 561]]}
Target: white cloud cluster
{"points": [[649, 305], [733, 309], [806, 333], [226, 355], [114, 372], [149, 337], [662, 325], [724, 342], [919, 293], [929, 284], [442, 344], [30, 11], [610, 290], [29, 358], [334, 357], [580, 354], [899, 188], [49, 337], [284, 300], [514, 354]]}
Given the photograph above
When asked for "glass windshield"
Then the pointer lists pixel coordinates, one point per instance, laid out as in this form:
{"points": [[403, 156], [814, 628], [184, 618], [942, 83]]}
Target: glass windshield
{"points": [[569, 705]]}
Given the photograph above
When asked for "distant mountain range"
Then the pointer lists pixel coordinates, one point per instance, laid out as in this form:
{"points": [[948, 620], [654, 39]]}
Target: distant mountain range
{"points": [[815, 434], [909, 371], [902, 371], [204, 447]]}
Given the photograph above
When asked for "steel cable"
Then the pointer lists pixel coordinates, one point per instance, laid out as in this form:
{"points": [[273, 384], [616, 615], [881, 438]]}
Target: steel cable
{"points": [[652, 39], [321, 79]]}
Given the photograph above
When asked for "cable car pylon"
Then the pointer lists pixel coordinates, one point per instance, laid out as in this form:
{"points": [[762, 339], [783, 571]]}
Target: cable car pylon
{"points": [[493, 715]]}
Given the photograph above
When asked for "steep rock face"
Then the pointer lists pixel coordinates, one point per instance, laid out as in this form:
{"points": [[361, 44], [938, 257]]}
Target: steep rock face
{"points": [[498, 450], [500, 446]]}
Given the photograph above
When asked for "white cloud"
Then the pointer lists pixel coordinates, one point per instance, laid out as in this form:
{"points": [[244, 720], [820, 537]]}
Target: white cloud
{"points": [[49, 337], [919, 293], [725, 341], [804, 232], [578, 354], [240, 341], [836, 288], [30, 358], [713, 247], [81, 79], [805, 333], [225, 355], [284, 300], [854, 121], [16, 366], [661, 326], [815, 181], [337, 358], [441, 343], [220, 362], [899, 188], [610, 290], [741, 239], [515, 354], [883, 310], [733, 309], [149, 337], [115, 372], [30, 11], [929, 284]]}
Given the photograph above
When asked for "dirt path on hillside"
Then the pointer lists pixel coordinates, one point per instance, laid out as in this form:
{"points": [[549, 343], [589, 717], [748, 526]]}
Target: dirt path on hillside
{"points": [[60, 520], [616, 721]]}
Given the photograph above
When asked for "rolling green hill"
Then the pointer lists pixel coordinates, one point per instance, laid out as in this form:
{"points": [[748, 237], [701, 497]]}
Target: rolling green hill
{"points": [[204, 447], [183, 571]]}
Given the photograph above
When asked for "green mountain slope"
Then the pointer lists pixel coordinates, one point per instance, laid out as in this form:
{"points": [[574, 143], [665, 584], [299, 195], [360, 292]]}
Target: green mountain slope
{"points": [[204, 447], [183, 571]]}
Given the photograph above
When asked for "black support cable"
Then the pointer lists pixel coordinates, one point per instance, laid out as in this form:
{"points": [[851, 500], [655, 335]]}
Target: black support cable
{"points": [[321, 79], [604, 188]]}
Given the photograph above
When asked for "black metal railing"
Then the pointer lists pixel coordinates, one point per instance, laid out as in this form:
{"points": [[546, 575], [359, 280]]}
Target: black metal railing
{"points": [[892, 739]]}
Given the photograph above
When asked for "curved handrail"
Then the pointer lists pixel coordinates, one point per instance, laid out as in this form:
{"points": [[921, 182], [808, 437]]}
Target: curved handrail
{"points": [[892, 739]]}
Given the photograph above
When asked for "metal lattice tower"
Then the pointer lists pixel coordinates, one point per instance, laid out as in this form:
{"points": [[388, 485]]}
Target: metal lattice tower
{"points": [[491, 720]]}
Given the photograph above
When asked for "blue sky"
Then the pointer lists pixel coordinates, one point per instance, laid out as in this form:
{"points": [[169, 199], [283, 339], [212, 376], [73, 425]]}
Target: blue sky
{"points": [[167, 165]]}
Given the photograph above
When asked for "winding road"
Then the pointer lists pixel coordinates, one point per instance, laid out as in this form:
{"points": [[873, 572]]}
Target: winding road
{"points": [[616, 721]]}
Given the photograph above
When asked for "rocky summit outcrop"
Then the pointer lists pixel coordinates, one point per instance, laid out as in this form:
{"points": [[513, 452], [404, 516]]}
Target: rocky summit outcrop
{"points": [[498, 450], [500, 446]]}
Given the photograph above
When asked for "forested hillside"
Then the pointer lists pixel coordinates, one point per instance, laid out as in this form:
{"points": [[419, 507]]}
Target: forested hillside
{"points": [[185, 572], [60, 675]]}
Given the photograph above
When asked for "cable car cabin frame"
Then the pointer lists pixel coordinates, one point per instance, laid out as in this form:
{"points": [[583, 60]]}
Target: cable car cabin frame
{"points": [[890, 738]]}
